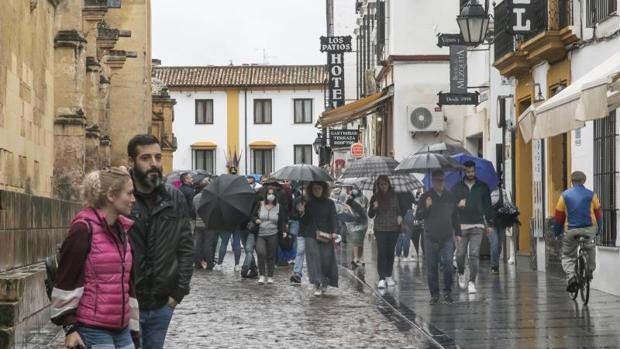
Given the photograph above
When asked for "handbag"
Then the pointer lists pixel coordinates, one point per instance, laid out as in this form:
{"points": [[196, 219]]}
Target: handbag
{"points": [[321, 236]]}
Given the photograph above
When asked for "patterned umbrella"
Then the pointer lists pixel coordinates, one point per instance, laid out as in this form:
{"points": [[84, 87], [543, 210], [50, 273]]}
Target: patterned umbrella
{"points": [[370, 166], [427, 162], [402, 183], [302, 173], [443, 148]]}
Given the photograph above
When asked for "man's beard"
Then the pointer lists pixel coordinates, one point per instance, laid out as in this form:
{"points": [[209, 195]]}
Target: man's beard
{"points": [[151, 179]]}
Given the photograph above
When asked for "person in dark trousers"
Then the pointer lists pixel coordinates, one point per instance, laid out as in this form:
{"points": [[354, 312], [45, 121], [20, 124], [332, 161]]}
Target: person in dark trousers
{"points": [[476, 218], [202, 240], [417, 230], [187, 188], [437, 207], [384, 207], [406, 201], [162, 241]]}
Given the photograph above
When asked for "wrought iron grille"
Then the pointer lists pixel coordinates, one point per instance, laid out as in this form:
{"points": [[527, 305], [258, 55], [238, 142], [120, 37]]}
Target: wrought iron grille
{"points": [[540, 18], [605, 175], [504, 40], [599, 10], [566, 13]]}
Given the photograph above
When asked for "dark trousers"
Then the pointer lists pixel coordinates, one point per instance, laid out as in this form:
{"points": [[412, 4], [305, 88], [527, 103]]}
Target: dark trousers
{"points": [[266, 249], [386, 242], [417, 237], [202, 245], [436, 254]]}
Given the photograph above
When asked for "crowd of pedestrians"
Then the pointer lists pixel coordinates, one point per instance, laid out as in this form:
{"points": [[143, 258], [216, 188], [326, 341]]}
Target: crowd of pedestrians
{"points": [[129, 255]]}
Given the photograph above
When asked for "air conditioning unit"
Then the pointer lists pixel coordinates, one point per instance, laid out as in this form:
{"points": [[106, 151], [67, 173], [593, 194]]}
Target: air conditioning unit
{"points": [[425, 119]]}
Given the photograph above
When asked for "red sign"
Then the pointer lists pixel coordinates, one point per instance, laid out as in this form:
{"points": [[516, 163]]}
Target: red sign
{"points": [[357, 150]]}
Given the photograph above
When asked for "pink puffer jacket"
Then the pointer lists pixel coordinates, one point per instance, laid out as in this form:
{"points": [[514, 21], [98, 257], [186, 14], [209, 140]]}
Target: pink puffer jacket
{"points": [[105, 301]]}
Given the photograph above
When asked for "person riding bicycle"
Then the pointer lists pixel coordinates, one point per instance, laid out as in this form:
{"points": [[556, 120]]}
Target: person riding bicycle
{"points": [[579, 212]]}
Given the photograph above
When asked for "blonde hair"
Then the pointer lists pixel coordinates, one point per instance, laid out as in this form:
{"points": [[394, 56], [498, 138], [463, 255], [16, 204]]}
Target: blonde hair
{"points": [[98, 184]]}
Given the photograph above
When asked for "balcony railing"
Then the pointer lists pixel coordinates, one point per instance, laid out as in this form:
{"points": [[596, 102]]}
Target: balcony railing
{"points": [[540, 18], [566, 13], [504, 40]]}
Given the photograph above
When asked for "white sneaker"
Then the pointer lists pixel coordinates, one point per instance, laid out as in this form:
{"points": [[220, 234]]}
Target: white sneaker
{"points": [[270, 280], [237, 268], [381, 284], [462, 281], [471, 287], [511, 261], [317, 291], [218, 267], [261, 280], [390, 282]]}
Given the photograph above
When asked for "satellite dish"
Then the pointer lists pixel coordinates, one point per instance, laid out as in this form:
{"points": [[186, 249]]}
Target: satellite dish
{"points": [[421, 118]]}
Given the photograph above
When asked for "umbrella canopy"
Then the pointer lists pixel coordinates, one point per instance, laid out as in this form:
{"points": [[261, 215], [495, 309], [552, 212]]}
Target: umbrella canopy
{"points": [[402, 183], [302, 173], [485, 171], [427, 162], [344, 211], [443, 148], [226, 202], [370, 166]]}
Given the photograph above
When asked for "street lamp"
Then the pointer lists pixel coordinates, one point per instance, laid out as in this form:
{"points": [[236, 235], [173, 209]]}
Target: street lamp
{"points": [[318, 142], [473, 23]]}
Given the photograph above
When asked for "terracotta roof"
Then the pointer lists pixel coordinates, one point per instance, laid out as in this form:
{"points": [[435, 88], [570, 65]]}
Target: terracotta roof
{"points": [[242, 76]]}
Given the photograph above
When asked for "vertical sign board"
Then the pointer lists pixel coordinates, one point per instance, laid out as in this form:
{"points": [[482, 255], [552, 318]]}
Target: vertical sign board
{"points": [[458, 69], [537, 189], [522, 16], [336, 46]]}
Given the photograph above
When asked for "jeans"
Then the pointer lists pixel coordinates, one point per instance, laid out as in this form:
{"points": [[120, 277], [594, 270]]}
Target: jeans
{"points": [[300, 247], [266, 249], [249, 242], [101, 339], [236, 246], [569, 249], [403, 244], [154, 326], [471, 240], [496, 239], [386, 243], [436, 254]]}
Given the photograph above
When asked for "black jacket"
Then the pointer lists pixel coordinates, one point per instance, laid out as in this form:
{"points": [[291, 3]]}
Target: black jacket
{"points": [[478, 203], [318, 214], [188, 192], [163, 248], [441, 220]]}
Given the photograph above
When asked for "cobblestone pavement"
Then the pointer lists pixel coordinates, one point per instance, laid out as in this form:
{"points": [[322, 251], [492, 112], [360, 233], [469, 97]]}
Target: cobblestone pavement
{"points": [[225, 311]]}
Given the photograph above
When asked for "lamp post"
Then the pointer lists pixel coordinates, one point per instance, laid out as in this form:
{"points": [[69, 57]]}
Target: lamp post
{"points": [[322, 150], [473, 22]]}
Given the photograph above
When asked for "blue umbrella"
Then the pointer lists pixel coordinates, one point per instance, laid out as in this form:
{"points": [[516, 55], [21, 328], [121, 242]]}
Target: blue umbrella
{"points": [[484, 171]]}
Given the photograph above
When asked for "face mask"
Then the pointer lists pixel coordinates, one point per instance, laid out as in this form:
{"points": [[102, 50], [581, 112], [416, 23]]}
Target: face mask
{"points": [[355, 192], [271, 197]]}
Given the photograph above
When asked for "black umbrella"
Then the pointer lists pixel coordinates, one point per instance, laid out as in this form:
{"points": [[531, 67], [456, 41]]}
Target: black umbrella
{"points": [[302, 173], [371, 166], [443, 148], [226, 202], [427, 162]]}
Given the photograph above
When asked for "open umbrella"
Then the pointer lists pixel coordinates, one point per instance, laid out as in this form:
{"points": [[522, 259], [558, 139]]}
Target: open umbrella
{"points": [[226, 202], [302, 173], [484, 172], [370, 166], [443, 148], [427, 162], [402, 183]]}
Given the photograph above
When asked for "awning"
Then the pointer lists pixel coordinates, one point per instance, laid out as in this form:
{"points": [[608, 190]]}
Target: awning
{"points": [[262, 145], [204, 145], [526, 121], [585, 99], [353, 110]]}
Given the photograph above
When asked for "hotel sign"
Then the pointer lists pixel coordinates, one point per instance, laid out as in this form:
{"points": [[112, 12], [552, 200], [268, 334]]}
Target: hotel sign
{"points": [[522, 16], [336, 46]]}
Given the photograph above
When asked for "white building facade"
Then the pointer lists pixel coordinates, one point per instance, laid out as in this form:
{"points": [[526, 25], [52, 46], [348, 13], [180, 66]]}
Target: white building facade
{"points": [[253, 119]]}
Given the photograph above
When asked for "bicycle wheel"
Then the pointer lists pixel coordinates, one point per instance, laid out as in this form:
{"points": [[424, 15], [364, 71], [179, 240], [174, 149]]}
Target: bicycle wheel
{"points": [[573, 295], [585, 279]]}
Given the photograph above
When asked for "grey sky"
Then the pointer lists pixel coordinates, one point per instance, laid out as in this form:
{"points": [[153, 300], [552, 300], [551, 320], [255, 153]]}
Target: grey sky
{"points": [[202, 32]]}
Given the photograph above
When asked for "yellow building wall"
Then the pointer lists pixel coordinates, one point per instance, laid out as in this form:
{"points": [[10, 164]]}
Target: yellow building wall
{"points": [[232, 121], [523, 165]]}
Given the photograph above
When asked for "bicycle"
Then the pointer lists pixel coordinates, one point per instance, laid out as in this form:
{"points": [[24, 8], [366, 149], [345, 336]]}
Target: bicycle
{"points": [[583, 273]]}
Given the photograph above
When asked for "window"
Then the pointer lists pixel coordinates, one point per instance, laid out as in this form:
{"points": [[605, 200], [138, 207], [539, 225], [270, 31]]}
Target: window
{"points": [[204, 160], [263, 161], [599, 10], [303, 154], [114, 3], [204, 111], [605, 174], [262, 111], [303, 111]]}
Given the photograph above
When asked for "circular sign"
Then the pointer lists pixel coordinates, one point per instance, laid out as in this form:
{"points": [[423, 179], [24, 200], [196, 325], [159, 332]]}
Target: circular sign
{"points": [[357, 150]]}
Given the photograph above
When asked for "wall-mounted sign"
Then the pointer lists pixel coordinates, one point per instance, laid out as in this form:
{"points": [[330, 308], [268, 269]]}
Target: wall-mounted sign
{"points": [[522, 16], [444, 40], [357, 150], [336, 46], [458, 98], [458, 69], [343, 138]]}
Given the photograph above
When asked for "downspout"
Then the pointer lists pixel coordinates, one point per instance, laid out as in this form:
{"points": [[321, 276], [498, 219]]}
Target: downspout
{"points": [[245, 128]]}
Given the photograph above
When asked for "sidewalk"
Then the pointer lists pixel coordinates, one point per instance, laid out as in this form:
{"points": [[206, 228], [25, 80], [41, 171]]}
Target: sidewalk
{"points": [[518, 308]]}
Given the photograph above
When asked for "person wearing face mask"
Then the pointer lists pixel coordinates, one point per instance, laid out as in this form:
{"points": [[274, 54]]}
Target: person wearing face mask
{"points": [[271, 219], [357, 233]]}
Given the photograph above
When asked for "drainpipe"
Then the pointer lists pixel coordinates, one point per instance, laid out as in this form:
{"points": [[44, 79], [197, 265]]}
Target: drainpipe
{"points": [[245, 128]]}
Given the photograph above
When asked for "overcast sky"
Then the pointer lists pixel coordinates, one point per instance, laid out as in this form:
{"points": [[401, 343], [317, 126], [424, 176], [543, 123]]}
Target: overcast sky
{"points": [[216, 32]]}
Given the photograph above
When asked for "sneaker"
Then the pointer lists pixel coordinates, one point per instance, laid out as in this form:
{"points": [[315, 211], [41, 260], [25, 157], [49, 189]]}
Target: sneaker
{"points": [[462, 281], [495, 270], [237, 268], [270, 281], [381, 284], [390, 281], [434, 300], [406, 260], [218, 267], [296, 278], [413, 258], [511, 261], [448, 298], [323, 289], [471, 287], [317, 291], [261, 280], [252, 274]]}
